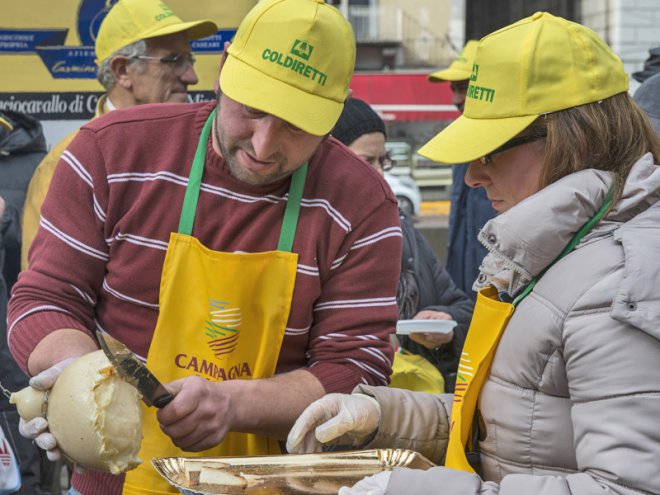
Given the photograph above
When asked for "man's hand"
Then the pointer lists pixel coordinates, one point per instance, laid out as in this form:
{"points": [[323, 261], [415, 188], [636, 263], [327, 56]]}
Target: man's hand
{"points": [[37, 428], [201, 414], [338, 418], [432, 340]]}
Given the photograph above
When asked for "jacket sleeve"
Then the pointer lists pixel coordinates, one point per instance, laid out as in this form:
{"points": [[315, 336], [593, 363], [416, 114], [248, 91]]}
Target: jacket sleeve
{"points": [[411, 420]]}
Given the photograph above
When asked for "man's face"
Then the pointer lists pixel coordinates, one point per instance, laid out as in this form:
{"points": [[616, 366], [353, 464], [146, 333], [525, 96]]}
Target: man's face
{"points": [[459, 90], [260, 148], [153, 81]]}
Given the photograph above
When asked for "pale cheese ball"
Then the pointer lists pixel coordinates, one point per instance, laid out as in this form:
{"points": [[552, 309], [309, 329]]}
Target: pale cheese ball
{"points": [[95, 416]]}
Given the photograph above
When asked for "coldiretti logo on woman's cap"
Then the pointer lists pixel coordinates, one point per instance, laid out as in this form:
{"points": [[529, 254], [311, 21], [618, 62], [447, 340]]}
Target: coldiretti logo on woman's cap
{"points": [[131, 20], [538, 65], [293, 59]]}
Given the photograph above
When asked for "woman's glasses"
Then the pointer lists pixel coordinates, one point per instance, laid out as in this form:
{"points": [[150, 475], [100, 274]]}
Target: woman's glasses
{"points": [[519, 141]]}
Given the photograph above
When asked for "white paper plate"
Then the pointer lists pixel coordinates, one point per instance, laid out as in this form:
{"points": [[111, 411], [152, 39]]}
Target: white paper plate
{"points": [[406, 327]]}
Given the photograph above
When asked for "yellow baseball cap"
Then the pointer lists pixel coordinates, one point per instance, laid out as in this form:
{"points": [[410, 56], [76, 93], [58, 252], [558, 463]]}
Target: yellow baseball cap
{"points": [[293, 59], [461, 68], [538, 65], [131, 20]]}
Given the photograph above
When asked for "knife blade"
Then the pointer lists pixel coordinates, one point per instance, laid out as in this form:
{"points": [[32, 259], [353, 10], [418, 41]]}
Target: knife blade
{"points": [[133, 371]]}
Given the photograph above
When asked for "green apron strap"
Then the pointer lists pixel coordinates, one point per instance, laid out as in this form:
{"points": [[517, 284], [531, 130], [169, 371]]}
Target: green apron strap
{"points": [[291, 211], [195, 180], [571, 245]]}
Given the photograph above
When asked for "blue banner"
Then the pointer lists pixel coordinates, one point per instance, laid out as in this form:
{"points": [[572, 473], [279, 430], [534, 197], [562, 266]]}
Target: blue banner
{"points": [[69, 62], [213, 43], [27, 40]]}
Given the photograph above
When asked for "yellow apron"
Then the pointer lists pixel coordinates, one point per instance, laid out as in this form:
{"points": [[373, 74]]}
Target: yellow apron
{"points": [[489, 321], [222, 317]]}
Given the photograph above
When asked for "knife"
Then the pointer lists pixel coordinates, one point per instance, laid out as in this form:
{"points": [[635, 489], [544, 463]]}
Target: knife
{"points": [[131, 370]]}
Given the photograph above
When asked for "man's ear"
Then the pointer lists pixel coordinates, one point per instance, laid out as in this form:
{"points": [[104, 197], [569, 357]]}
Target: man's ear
{"points": [[223, 57], [119, 68]]}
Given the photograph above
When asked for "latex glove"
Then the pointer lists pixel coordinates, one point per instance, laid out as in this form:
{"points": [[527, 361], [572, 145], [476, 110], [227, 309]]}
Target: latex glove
{"points": [[338, 418], [371, 485], [37, 429]]}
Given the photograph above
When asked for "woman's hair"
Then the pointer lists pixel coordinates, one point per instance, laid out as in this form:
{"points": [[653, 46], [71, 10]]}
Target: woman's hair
{"points": [[105, 75], [611, 135]]}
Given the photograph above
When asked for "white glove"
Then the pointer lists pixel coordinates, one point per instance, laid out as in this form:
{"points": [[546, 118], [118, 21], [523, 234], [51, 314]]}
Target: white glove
{"points": [[37, 429], [371, 485], [340, 418]]}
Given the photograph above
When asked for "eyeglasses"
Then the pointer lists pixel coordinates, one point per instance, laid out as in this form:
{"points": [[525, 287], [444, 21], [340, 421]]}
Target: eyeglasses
{"points": [[179, 62], [386, 162], [513, 143]]}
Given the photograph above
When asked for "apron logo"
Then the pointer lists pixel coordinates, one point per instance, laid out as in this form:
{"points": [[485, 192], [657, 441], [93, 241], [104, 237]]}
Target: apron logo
{"points": [[222, 327]]}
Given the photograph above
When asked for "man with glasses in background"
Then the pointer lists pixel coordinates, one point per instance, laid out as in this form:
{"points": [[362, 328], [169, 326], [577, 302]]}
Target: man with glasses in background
{"points": [[144, 56]]}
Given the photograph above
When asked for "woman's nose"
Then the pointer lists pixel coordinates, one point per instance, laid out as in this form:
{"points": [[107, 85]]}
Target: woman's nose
{"points": [[476, 176]]}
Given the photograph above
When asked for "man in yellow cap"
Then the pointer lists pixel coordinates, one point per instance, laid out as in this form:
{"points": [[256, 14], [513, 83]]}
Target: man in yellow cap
{"points": [[143, 54], [223, 242], [470, 208]]}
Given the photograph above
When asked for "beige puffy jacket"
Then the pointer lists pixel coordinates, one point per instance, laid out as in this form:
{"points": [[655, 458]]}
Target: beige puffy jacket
{"points": [[572, 402]]}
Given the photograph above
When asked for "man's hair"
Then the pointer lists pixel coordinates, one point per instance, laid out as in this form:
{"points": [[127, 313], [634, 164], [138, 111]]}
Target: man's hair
{"points": [[105, 75], [610, 135]]}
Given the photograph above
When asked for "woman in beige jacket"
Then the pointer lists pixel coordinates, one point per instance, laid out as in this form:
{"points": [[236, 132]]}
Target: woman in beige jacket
{"points": [[566, 397]]}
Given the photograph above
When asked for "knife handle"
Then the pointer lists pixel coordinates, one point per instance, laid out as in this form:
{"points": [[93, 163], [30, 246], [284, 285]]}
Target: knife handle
{"points": [[163, 400]]}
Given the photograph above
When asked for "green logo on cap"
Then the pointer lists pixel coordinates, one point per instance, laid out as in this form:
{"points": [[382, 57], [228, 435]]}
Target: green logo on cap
{"points": [[302, 49], [479, 92], [165, 14], [475, 72]]}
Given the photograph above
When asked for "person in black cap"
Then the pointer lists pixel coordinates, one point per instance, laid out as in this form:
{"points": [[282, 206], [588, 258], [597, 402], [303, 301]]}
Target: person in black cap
{"points": [[426, 291], [651, 66]]}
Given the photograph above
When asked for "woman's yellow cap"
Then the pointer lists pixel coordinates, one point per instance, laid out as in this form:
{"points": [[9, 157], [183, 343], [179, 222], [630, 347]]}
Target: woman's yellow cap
{"points": [[538, 65]]}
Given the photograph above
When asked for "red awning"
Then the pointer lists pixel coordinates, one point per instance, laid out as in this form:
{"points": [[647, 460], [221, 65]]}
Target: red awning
{"points": [[405, 97]]}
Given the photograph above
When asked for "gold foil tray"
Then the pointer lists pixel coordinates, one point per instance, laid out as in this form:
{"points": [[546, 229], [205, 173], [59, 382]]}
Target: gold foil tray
{"points": [[318, 474]]}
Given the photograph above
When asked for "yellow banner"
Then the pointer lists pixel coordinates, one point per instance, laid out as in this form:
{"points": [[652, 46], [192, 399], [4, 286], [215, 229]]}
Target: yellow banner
{"points": [[47, 52]]}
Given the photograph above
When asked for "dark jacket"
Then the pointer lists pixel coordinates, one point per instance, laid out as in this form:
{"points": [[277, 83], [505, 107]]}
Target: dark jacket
{"points": [[21, 150], [470, 210], [436, 291]]}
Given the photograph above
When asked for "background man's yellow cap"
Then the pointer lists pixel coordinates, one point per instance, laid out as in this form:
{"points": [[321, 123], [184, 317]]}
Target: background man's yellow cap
{"points": [[293, 59], [461, 68], [538, 65], [131, 20]]}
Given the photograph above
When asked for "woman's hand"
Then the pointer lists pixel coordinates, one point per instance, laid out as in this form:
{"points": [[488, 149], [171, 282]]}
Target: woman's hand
{"points": [[338, 418]]}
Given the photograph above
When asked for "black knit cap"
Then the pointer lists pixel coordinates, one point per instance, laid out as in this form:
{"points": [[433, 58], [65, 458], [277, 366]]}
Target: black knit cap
{"points": [[356, 119]]}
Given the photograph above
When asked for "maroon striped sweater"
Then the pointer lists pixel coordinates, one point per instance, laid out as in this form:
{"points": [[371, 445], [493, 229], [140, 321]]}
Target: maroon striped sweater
{"points": [[116, 196]]}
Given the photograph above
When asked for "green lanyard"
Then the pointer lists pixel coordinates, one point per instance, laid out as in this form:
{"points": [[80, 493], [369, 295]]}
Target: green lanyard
{"points": [[571, 245], [291, 212]]}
